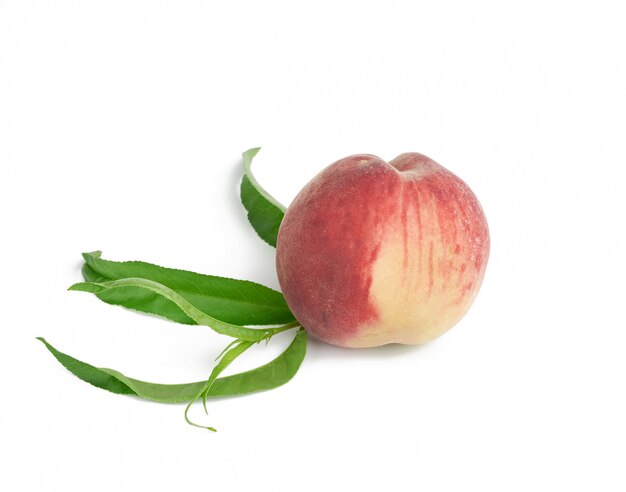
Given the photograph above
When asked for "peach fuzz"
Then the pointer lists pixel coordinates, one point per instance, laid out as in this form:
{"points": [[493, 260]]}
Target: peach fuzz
{"points": [[371, 252]]}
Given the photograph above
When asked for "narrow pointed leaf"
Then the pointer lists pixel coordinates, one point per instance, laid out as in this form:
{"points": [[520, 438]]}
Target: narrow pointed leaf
{"points": [[226, 359], [265, 213], [155, 288], [268, 376], [233, 301]]}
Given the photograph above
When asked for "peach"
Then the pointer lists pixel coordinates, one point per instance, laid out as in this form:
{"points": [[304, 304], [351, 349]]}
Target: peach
{"points": [[371, 253]]}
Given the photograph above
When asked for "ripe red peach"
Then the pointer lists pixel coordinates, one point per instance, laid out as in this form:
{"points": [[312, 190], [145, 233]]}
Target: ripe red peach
{"points": [[371, 252]]}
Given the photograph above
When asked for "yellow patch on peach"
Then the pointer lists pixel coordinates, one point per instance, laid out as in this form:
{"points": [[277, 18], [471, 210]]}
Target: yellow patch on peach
{"points": [[419, 295]]}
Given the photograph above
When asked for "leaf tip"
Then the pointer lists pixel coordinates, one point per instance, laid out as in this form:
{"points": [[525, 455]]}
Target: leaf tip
{"points": [[91, 254], [251, 152], [44, 341], [90, 287]]}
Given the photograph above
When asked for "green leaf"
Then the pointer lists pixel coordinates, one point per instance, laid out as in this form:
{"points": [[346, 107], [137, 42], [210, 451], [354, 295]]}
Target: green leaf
{"points": [[233, 301], [197, 316], [271, 375], [227, 357], [264, 212]]}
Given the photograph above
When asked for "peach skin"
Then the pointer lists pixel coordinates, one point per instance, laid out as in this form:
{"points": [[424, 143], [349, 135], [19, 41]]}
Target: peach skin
{"points": [[371, 253]]}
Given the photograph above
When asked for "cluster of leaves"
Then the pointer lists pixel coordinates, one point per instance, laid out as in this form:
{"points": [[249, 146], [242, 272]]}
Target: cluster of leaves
{"points": [[245, 311]]}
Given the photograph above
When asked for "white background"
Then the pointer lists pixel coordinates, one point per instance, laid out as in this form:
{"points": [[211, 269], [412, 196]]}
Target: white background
{"points": [[121, 129]]}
